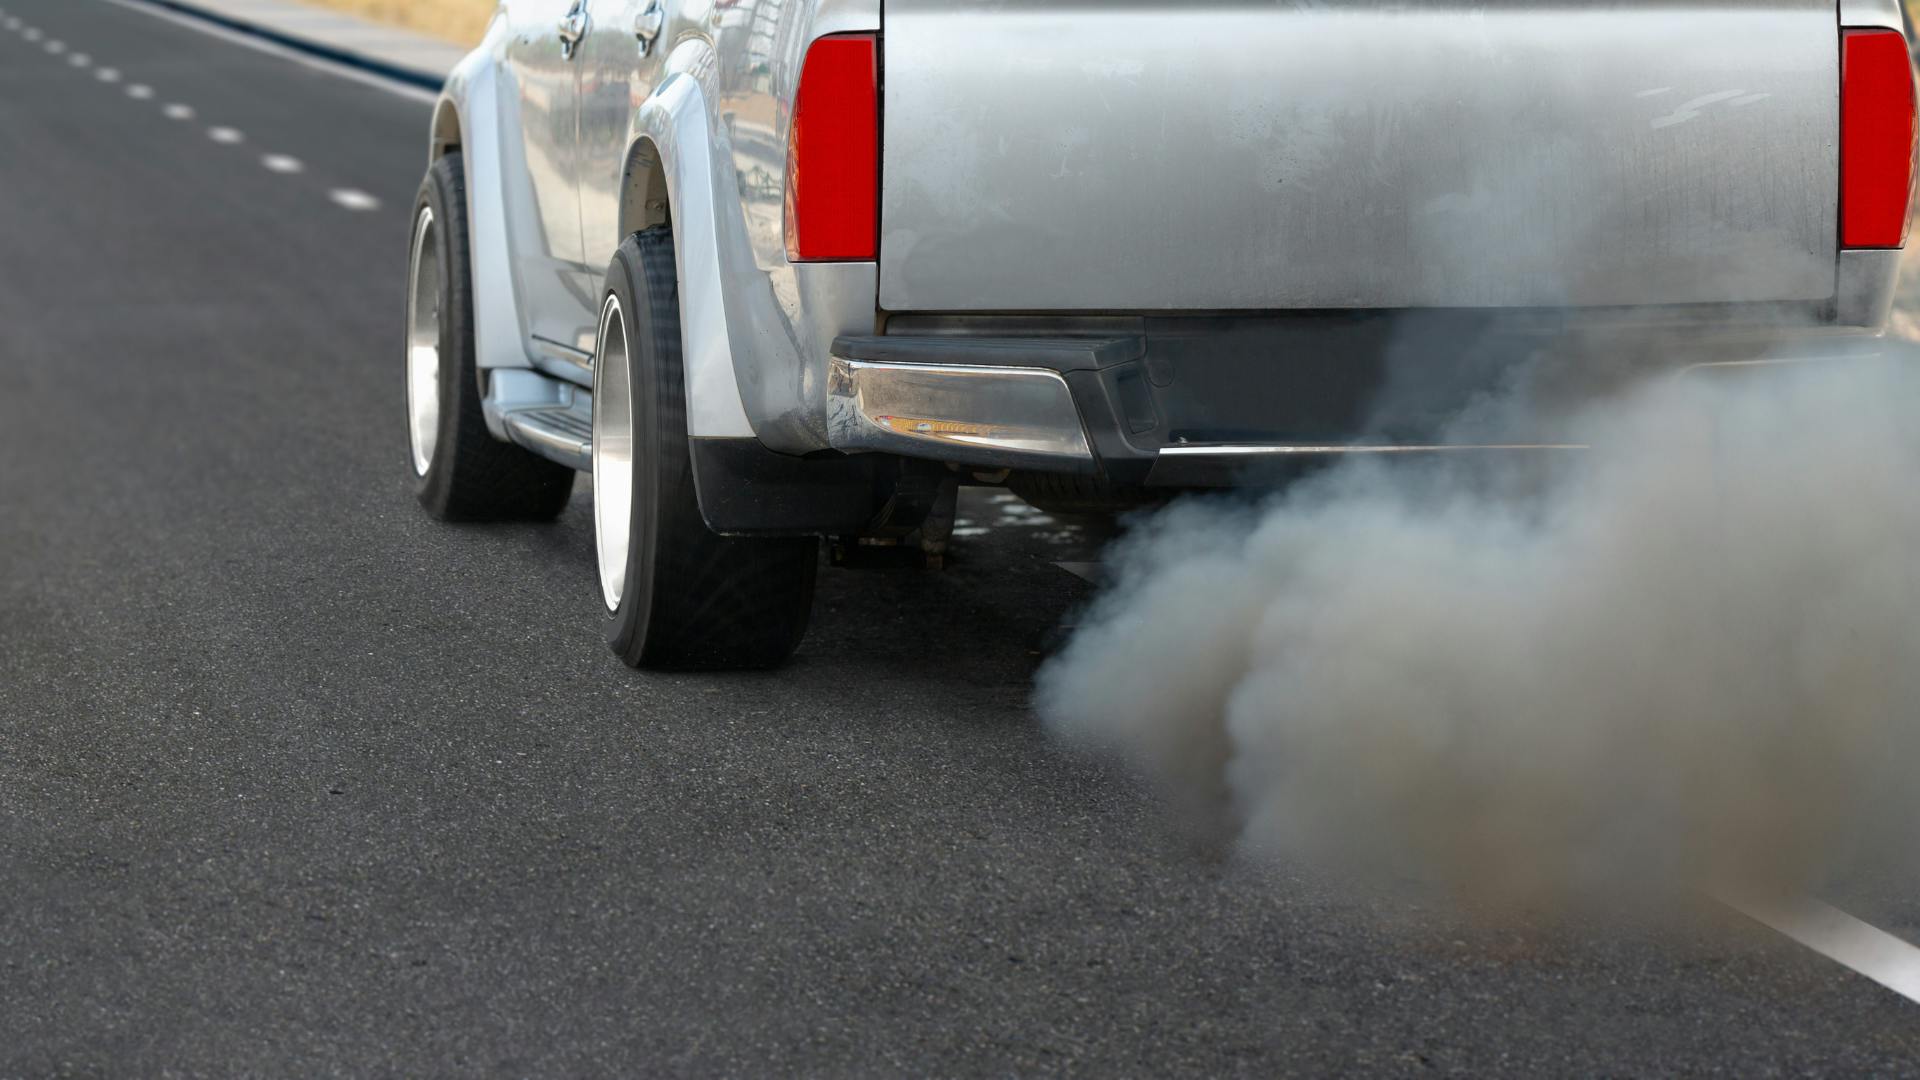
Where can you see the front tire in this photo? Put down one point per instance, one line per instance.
(679, 596)
(461, 472)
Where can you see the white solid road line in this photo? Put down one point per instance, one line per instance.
(405, 90)
(1843, 939)
(353, 199)
(283, 164)
(225, 136)
(179, 112)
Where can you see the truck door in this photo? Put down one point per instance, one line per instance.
(620, 65)
(550, 272)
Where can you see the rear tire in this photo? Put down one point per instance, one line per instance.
(461, 472)
(680, 596)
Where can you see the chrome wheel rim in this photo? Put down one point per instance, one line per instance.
(612, 454)
(423, 343)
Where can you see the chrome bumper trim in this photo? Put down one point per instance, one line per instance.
(1264, 449)
(996, 417)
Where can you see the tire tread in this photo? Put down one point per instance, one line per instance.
(716, 602)
(474, 477)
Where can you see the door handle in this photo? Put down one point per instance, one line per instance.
(648, 24)
(573, 30)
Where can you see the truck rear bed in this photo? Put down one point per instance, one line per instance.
(1061, 155)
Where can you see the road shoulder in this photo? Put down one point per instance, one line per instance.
(402, 54)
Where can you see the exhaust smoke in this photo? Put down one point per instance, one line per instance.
(1688, 657)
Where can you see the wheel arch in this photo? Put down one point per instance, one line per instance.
(467, 121)
(671, 172)
(446, 136)
(757, 327)
(645, 197)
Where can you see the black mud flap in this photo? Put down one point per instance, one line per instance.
(746, 489)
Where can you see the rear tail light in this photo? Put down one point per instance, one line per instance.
(833, 153)
(1876, 138)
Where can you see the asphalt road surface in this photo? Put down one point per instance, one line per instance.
(294, 781)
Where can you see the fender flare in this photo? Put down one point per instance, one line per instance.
(674, 120)
(472, 95)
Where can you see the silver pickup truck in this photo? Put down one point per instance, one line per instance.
(777, 270)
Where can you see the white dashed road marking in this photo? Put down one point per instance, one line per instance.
(354, 200)
(284, 164)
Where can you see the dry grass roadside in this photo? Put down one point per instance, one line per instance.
(459, 21)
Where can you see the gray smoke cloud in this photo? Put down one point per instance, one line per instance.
(1688, 656)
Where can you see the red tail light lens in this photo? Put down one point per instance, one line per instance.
(833, 154)
(1876, 138)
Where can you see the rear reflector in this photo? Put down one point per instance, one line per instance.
(833, 154)
(1876, 138)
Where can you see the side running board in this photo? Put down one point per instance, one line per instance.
(562, 435)
(547, 416)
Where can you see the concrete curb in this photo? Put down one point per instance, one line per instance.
(346, 57)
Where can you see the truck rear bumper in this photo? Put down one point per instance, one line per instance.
(1215, 401)
(993, 403)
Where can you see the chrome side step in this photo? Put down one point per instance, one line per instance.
(562, 435)
(548, 416)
